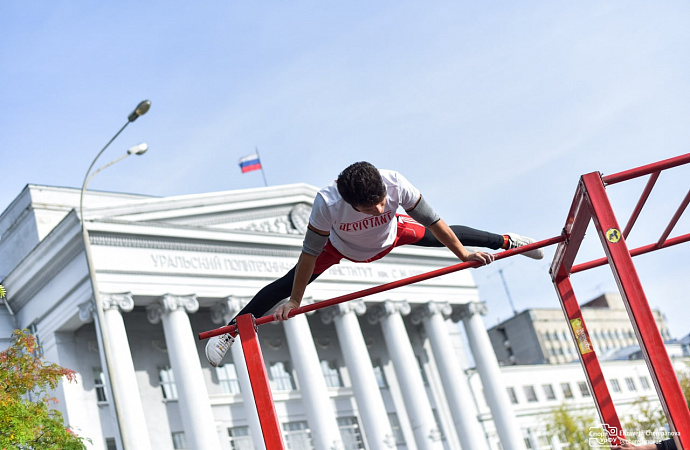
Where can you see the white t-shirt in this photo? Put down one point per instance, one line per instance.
(356, 235)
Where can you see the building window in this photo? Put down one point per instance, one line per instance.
(331, 373)
(297, 436)
(240, 438)
(530, 394)
(380, 374)
(167, 379)
(179, 441)
(548, 391)
(350, 432)
(631, 384)
(584, 389)
(281, 377)
(528, 444)
(99, 384)
(512, 395)
(567, 391)
(644, 382)
(110, 444)
(397, 429)
(615, 386)
(227, 378)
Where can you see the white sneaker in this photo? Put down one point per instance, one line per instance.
(217, 347)
(515, 241)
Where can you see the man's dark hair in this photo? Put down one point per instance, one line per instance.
(360, 184)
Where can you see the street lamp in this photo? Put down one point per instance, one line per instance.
(141, 109)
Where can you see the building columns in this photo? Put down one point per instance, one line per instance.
(490, 374)
(123, 368)
(455, 383)
(379, 435)
(195, 408)
(317, 403)
(424, 428)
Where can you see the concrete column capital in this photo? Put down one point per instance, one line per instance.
(358, 307)
(430, 309)
(87, 311)
(227, 308)
(169, 303)
(121, 301)
(386, 309)
(467, 310)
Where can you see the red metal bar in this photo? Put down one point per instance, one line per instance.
(588, 359)
(574, 231)
(646, 170)
(259, 379)
(674, 219)
(388, 286)
(640, 203)
(634, 252)
(642, 318)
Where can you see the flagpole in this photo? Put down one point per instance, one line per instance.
(262, 166)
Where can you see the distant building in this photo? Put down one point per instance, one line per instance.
(542, 336)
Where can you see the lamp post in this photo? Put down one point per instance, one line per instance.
(141, 109)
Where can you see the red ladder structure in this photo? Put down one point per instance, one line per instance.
(590, 203)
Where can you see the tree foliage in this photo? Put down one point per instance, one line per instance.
(572, 428)
(27, 420)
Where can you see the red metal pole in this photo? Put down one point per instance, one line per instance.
(641, 316)
(574, 230)
(387, 286)
(590, 362)
(259, 379)
(646, 170)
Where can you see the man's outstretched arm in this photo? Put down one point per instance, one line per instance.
(314, 242)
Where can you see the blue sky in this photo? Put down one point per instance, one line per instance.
(493, 110)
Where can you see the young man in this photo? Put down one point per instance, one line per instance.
(355, 218)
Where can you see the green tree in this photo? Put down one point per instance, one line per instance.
(572, 428)
(647, 419)
(27, 421)
(684, 380)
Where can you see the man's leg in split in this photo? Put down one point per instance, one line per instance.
(478, 238)
(268, 297)
(271, 294)
(468, 236)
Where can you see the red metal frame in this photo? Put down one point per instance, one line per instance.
(265, 407)
(592, 203)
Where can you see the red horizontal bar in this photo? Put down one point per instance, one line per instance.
(388, 286)
(634, 252)
(646, 170)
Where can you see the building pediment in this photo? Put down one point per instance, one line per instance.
(281, 209)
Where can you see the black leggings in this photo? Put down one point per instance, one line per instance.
(273, 293)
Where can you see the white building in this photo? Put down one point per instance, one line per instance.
(542, 336)
(385, 372)
(351, 376)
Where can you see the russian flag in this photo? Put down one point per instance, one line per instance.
(249, 163)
